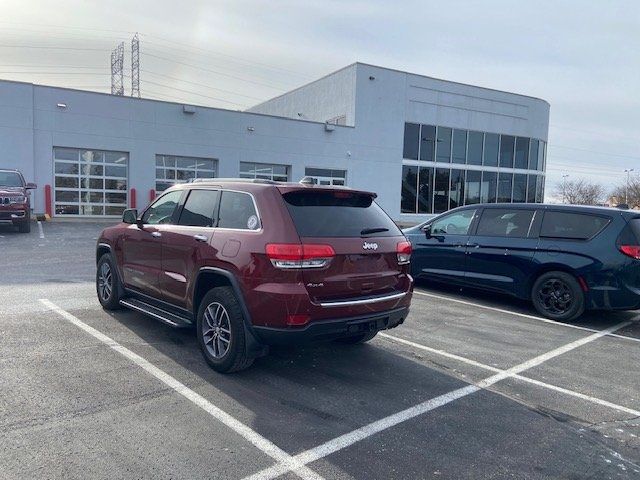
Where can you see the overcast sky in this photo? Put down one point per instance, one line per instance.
(583, 57)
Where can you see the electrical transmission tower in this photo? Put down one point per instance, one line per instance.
(135, 66)
(117, 74)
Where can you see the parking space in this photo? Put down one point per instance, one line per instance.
(471, 386)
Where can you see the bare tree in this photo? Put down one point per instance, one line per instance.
(629, 194)
(580, 192)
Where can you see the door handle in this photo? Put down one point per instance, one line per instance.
(156, 234)
(201, 238)
(473, 245)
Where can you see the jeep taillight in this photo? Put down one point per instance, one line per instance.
(296, 255)
(403, 250)
(632, 251)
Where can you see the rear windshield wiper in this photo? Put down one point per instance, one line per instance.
(367, 231)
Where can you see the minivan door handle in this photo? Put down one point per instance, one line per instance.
(201, 238)
(473, 245)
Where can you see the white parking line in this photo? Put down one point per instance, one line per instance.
(549, 386)
(362, 433)
(518, 314)
(241, 429)
(40, 229)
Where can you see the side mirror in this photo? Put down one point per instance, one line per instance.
(427, 231)
(130, 215)
(31, 186)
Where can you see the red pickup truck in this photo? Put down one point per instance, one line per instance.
(15, 200)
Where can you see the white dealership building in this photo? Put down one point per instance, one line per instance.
(424, 145)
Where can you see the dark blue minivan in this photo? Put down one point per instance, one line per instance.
(563, 258)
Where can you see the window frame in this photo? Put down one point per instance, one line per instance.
(176, 213)
(255, 207)
(539, 235)
(185, 198)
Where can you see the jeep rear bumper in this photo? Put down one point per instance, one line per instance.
(325, 330)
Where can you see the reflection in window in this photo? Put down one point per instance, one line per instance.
(531, 188)
(411, 140)
(498, 222)
(533, 155)
(457, 223)
(541, 155)
(474, 156)
(409, 189)
(472, 187)
(505, 184)
(237, 211)
(507, 143)
(441, 191)
(519, 188)
(539, 189)
(443, 145)
(459, 149)
(489, 189)
(456, 194)
(264, 171)
(325, 176)
(522, 152)
(425, 190)
(171, 169)
(491, 145)
(427, 143)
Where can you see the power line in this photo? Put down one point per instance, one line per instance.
(57, 73)
(50, 47)
(594, 151)
(194, 93)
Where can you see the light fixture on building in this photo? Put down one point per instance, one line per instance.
(61, 105)
(251, 129)
(329, 127)
(189, 109)
(371, 77)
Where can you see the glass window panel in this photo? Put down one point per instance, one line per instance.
(205, 164)
(280, 169)
(541, 155)
(533, 154)
(577, 226)
(114, 184)
(499, 222)
(121, 158)
(474, 156)
(519, 188)
(67, 182)
(67, 209)
(170, 174)
(205, 174)
(199, 208)
(505, 185)
(443, 145)
(409, 189)
(67, 196)
(427, 143)
(279, 178)
(425, 190)
(522, 152)
(115, 197)
(68, 168)
(317, 172)
(161, 211)
(459, 149)
(94, 170)
(539, 189)
(98, 197)
(159, 160)
(456, 194)
(411, 140)
(92, 156)
(489, 188)
(94, 183)
(186, 162)
(66, 153)
(113, 171)
(507, 144)
(441, 190)
(160, 173)
(531, 188)
(237, 211)
(113, 210)
(91, 210)
(472, 187)
(491, 146)
(339, 173)
(457, 223)
(162, 186)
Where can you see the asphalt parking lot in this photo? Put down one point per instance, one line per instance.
(471, 386)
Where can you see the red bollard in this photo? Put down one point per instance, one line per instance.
(152, 195)
(47, 201)
(132, 198)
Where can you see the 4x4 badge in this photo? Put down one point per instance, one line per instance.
(370, 246)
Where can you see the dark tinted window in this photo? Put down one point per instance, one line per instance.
(457, 223)
(443, 145)
(409, 189)
(427, 143)
(237, 211)
(571, 225)
(506, 150)
(411, 139)
(441, 191)
(519, 188)
(425, 190)
(634, 224)
(472, 187)
(199, 208)
(533, 154)
(505, 184)
(498, 222)
(474, 156)
(522, 152)
(531, 188)
(337, 214)
(459, 151)
(456, 194)
(489, 190)
(491, 144)
(161, 211)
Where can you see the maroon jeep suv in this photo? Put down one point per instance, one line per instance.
(254, 263)
(15, 200)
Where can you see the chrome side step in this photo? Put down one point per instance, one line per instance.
(155, 312)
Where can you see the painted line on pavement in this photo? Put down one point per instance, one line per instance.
(362, 433)
(241, 429)
(40, 229)
(523, 315)
(566, 391)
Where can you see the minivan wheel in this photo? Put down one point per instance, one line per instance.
(558, 296)
(362, 338)
(220, 330)
(108, 286)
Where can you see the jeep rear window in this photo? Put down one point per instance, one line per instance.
(338, 214)
(575, 226)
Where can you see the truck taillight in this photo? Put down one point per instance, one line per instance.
(632, 251)
(296, 255)
(403, 250)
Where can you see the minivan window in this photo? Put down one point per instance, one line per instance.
(634, 223)
(457, 223)
(237, 211)
(576, 226)
(198, 210)
(161, 211)
(338, 214)
(502, 222)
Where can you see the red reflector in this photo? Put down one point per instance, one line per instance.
(296, 251)
(404, 247)
(632, 251)
(297, 319)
